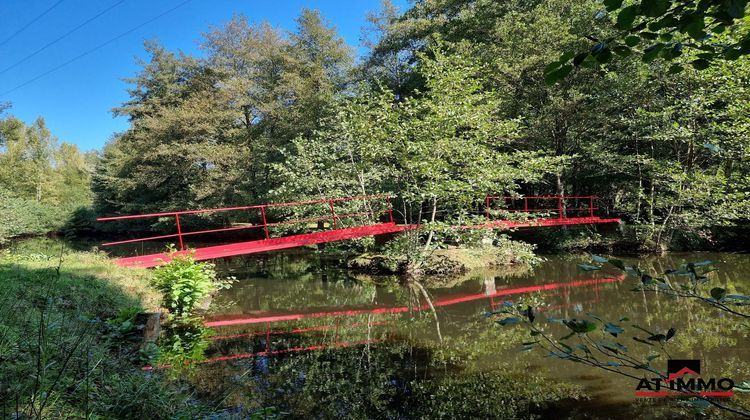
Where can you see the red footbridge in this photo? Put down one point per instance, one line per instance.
(278, 226)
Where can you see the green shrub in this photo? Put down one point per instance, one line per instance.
(184, 282)
(22, 217)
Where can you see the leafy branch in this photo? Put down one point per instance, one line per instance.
(696, 275)
(598, 345)
(664, 28)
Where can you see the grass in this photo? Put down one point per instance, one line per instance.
(68, 344)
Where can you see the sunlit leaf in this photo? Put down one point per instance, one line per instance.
(743, 387)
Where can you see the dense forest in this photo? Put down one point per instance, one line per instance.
(448, 105)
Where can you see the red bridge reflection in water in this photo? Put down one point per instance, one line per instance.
(593, 284)
(401, 309)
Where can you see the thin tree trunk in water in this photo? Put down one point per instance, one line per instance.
(432, 308)
(652, 192)
(640, 182)
(432, 220)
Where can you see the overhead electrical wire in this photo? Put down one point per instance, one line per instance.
(61, 37)
(92, 50)
(24, 27)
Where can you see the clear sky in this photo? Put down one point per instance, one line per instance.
(76, 100)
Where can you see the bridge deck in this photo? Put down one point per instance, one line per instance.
(264, 245)
(294, 241)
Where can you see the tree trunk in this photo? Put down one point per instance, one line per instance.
(432, 220)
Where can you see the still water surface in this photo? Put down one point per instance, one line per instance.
(293, 318)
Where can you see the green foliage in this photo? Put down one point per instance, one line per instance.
(184, 282)
(665, 152)
(67, 340)
(25, 217)
(207, 132)
(712, 30)
(183, 345)
(41, 182)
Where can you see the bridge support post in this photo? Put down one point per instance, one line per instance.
(333, 213)
(265, 223)
(179, 231)
(390, 208)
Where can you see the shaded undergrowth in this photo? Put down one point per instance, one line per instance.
(69, 342)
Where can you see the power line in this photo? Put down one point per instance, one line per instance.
(23, 28)
(65, 35)
(98, 47)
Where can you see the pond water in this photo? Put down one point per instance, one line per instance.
(300, 334)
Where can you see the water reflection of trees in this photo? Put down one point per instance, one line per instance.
(403, 372)
(404, 359)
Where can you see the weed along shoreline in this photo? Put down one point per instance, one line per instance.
(381, 209)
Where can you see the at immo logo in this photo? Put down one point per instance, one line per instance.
(684, 379)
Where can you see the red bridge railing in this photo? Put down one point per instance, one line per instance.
(262, 210)
(543, 204)
(564, 209)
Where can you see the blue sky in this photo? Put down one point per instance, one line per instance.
(76, 100)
